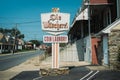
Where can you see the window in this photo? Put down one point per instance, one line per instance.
(107, 17)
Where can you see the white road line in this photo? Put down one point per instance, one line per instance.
(37, 78)
(93, 75)
(86, 75)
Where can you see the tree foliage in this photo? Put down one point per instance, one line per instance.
(12, 32)
(63, 44)
(36, 42)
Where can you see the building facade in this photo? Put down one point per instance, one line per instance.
(91, 24)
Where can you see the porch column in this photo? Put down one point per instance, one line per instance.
(1, 48)
(105, 49)
(82, 31)
(118, 9)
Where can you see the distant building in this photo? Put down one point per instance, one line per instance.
(10, 44)
(6, 43)
(43, 46)
(28, 45)
(20, 44)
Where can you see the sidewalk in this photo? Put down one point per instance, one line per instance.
(5, 54)
(47, 63)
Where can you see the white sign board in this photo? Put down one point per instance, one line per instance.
(55, 39)
(55, 21)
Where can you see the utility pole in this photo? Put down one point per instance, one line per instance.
(34, 45)
(14, 43)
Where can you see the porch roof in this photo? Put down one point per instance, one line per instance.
(6, 44)
(1, 36)
(97, 2)
(114, 25)
(83, 15)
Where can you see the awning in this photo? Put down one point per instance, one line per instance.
(83, 15)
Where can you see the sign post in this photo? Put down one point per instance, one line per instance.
(55, 55)
(55, 23)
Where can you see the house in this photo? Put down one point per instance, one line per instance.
(92, 27)
(2, 43)
(20, 44)
(43, 46)
(111, 43)
(5, 46)
(28, 45)
(7, 43)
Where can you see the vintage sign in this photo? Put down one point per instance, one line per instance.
(55, 21)
(55, 39)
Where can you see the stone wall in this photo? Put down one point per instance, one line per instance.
(114, 43)
(53, 72)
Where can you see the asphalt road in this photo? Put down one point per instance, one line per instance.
(12, 60)
(77, 73)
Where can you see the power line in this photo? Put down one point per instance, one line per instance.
(17, 18)
(22, 22)
(29, 22)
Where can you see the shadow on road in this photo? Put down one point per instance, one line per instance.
(26, 75)
(76, 73)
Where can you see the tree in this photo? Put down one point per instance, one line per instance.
(21, 36)
(1, 30)
(35, 42)
(16, 33)
(63, 44)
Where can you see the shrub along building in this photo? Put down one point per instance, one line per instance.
(96, 29)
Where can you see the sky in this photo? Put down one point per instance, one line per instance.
(26, 14)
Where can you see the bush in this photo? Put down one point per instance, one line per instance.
(48, 52)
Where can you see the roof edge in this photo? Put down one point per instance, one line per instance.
(109, 27)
